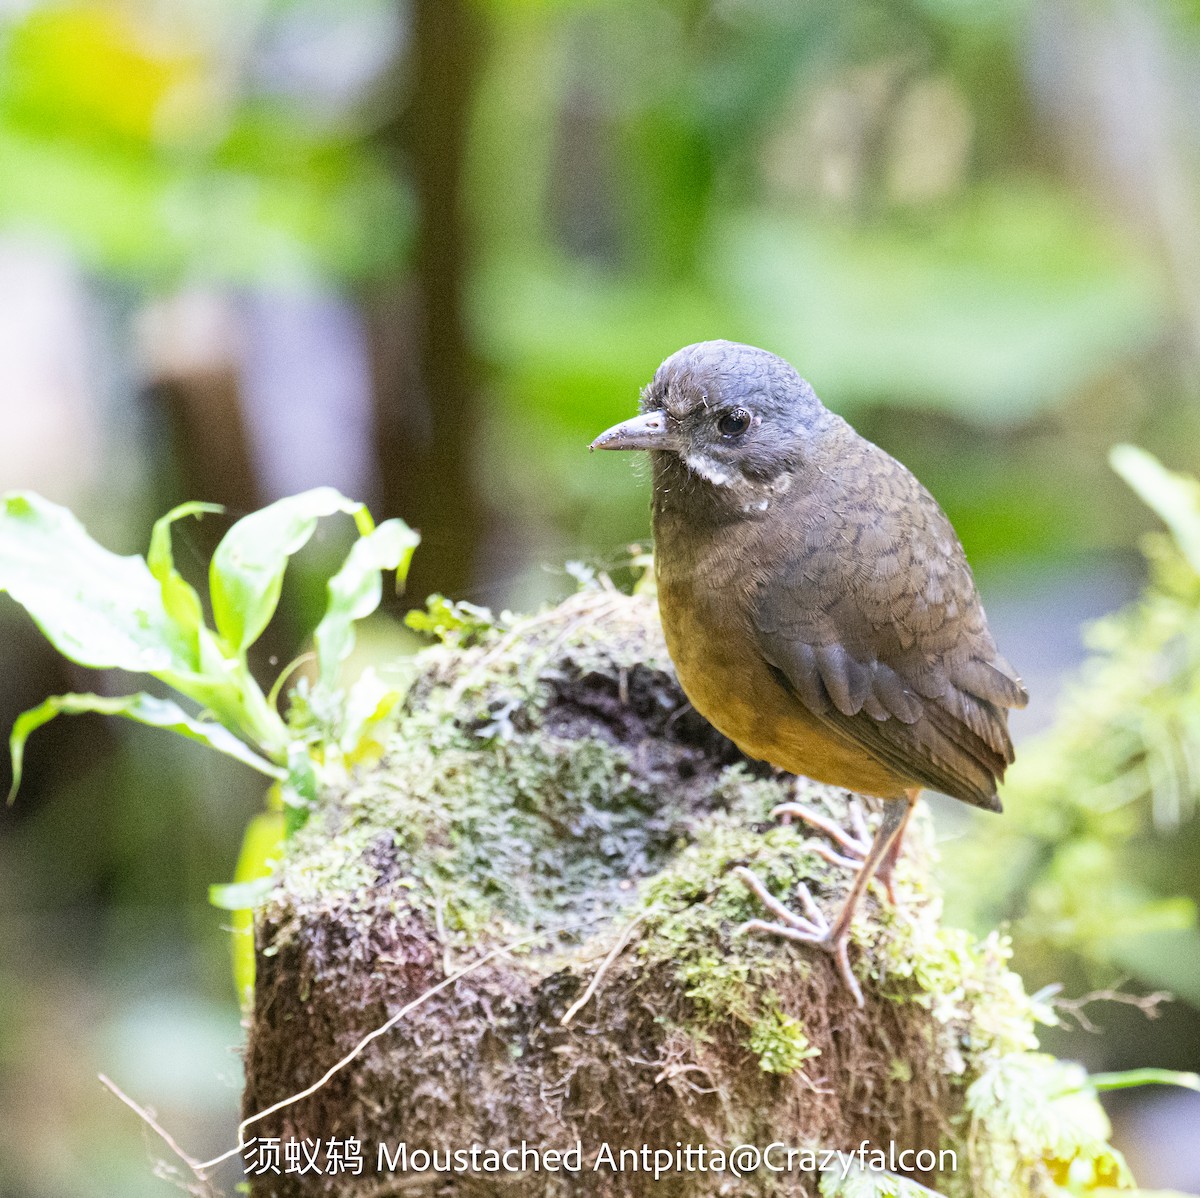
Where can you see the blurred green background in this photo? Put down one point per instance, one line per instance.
(424, 251)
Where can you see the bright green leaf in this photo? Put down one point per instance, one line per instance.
(299, 790)
(251, 883)
(179, 597)
(112, 612)
(1144, 1077)
(846, 1179)
(369, 703)
(1125, 1192)
(247, 568)
(145, 709)
(95, 607)
(455, 622)
(356, 589)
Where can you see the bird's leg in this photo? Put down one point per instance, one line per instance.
(888, 864)
(813, 927)
(855, 847)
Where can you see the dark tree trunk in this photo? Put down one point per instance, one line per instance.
(427, 392)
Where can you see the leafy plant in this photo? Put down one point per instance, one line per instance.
(1121, 763)
(140, 615)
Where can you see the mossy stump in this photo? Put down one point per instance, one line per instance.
(547, 784)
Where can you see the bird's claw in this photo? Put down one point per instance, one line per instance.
(855, 846)
(811, 928)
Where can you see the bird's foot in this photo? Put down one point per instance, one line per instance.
(854, 845)
(810, 928)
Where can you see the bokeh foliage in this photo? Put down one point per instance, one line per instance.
(141, 138)
(1082, 863)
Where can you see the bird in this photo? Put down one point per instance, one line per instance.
(818, 608)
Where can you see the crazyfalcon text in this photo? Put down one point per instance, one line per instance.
(740, 1160)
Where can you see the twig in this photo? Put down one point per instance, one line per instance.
(1148, 1004)
(201, 1168)
(357, 1050)
(614, 952)
(196, 1167)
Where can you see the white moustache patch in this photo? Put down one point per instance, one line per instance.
(707, 469)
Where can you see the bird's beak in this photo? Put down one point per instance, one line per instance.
(650, 430)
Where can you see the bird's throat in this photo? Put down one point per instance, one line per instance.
(708, 492)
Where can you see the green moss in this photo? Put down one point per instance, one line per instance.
(507, 837)
(779, 1042)
(459, 624)
(699, 907)
(498, 820)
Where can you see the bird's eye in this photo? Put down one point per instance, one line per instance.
(734, 423)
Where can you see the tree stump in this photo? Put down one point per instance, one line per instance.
(548, 788)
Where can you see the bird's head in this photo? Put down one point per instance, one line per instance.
(725, 414)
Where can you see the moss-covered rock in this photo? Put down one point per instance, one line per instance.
(548, 788)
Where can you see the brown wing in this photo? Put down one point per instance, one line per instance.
(873, 621)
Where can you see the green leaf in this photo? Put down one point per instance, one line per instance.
(1123, 1192)
(247, 568)
(179, 597)
(251, 884)
(145, 709)
(461, 622)
(95, 607)
(1144, 1077)
(846, 1179)
(299, 789)
(1031, 1107)
(300, 781)
(112, 612)
(1174, 497)
(356, 589)
(240, 896)
(368, 705)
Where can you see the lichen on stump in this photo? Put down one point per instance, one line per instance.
(547, 776)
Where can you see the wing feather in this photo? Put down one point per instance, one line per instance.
(891, 651)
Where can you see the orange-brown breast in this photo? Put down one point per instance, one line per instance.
(726, 679)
